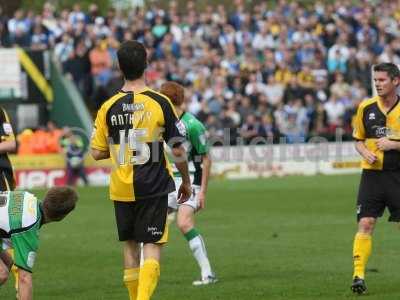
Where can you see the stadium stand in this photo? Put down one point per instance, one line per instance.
(289, 71)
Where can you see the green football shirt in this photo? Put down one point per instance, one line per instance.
(195, 145)
(20, 221)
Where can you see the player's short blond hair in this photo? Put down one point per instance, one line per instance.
(174, 91)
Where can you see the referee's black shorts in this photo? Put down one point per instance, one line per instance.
(143, 220)
(7, 181)
(378, 190)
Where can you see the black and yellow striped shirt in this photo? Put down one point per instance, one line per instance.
(132, 127)
(372, 123)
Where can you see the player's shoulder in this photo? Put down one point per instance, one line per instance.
(110, 101)
(23, 194)
(27, 196)
(157, 96)
(163, 101)
(192, 121)
(19, 196)
(369, 101)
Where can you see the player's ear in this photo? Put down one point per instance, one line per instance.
(396, 81)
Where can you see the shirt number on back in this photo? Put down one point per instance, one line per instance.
(139, 152)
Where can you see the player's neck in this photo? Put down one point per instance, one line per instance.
(134, 85)
(389, 100)
(179, 111)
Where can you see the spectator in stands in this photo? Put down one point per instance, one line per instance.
(223, 56)
(339, 87)
(39, 38)
(267, 129)
(100, 61)
(78, 68)
(335, 111)
(64, 48)
(274, 91)
(249, 129)
(18, 29)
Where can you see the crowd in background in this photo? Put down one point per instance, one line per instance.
(285, 70)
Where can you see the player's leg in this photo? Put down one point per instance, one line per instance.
(25, 285)
(149, 271)
(393, 191)
(14, 270)
(131, 267)
(172, 207)
(124, 215)
(186, 224)
(5, 265)
(4, 271)
(370, 206)
(151, 229)
(362, 246)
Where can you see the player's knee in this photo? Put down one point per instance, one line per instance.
(185, 218)
(25, 278)
(366, 225)
(3, 275)
(184, 224)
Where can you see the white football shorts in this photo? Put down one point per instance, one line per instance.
(192, 201)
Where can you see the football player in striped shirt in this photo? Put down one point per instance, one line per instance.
(197, 150)
(21, 218)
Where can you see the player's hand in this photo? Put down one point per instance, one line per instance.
(202, 200)
(184, 193)
(385, 144)
(369, 156)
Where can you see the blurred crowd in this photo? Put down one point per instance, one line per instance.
(43, 140)
(285, 70)
(48, 139)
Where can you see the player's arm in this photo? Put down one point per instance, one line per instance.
(8, 146)
(174, 135)
(99, 155)
(368, 155)
(99, 146)
(24, 285)
(359, 135)
(198, 139)
(385, 144)
(181, 163)
(7, 143)
(180, 159)
(204, 179)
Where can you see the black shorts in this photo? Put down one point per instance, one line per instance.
(142, 220)
(7, 181)
(378, 190)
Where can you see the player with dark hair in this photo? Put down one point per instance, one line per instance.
(131, 128)
(377, 131)
(21, 218)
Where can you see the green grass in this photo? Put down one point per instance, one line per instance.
(279, 238)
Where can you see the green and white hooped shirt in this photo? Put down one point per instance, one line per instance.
(196, 145)
(20, 221)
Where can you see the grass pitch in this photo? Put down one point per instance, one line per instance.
(280, 238)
